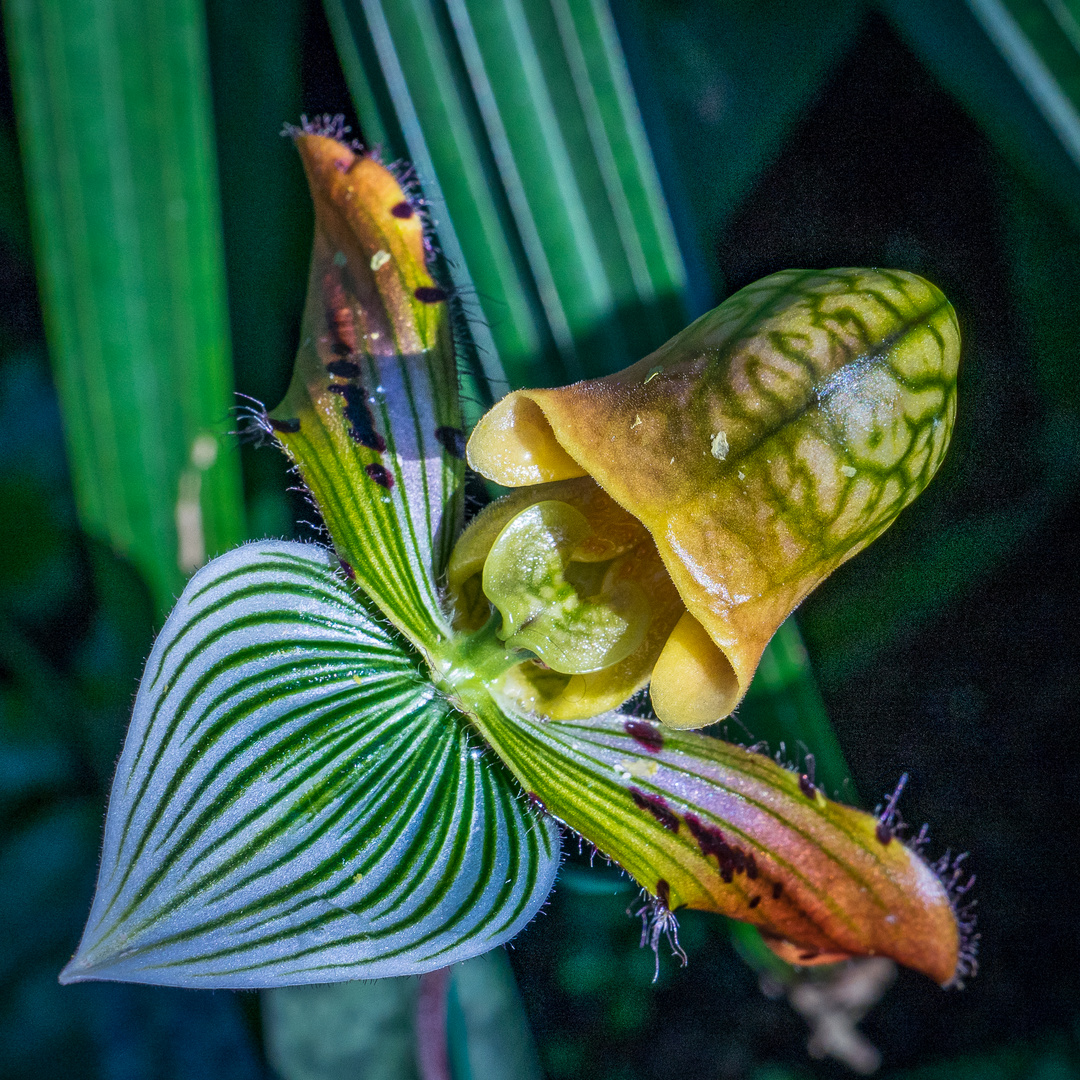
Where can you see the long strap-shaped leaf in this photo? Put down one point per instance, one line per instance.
(295, 804)
(522, 121)
(115, 126)
(372, 415)
(704, 824)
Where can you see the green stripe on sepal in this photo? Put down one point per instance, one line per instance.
(704, 824)
(295, 802)
(372, 416)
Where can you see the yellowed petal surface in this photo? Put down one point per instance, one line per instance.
(704, 824)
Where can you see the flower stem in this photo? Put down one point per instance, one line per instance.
(432, 1050)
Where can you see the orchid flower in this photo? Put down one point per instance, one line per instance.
(355, 761)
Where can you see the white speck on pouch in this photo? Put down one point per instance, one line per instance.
(379, 259)
(719, 446)
(672, 461)
(637, 421)
(653, 372)
(375, 335)
(848, 470)
(742, 475)
(356, 679)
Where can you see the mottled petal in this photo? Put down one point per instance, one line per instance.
(762, 446)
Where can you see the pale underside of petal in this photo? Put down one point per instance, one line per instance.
(294, 803)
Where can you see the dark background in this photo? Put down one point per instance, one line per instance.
(948, 650)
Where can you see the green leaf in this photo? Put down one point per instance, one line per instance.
(488, 1032)
(342, 1031)
(522, 123)
(368, 1029)
(1015, 66)
(372, 416)
(295, 803)
(704, 824)
(114, 121)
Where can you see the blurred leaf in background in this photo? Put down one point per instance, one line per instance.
(76, 620)
(255, 67)
(113, 105)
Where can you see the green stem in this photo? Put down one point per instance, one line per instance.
(470, 663)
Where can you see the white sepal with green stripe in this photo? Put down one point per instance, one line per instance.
(296, 803)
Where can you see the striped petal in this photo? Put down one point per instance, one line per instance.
(372, 416)
(704, 824)
(295, 803)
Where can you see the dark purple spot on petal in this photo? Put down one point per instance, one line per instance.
(884, 833)
(730, 858)
(806, 786)
(344, 369)
(754, 901)
(777, 890)
(380, 475)
(656, 806)
(709, 838)
(357, 413)
(429, 294)
(287, 427)
(339, 315)
(349, 572)
(453, 441)
(402, 210)
(663, 893)
(649, 736)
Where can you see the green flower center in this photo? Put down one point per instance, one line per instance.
(561, 590)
